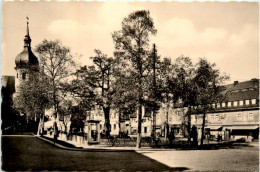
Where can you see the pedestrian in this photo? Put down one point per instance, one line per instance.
(194, 136)
(207, 136)
(55, 127)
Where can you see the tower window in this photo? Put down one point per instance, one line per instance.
(24, 75)
(17, 75)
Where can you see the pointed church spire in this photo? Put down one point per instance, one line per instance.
(27, 39)
(27, 26)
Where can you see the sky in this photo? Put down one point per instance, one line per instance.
(226, 33)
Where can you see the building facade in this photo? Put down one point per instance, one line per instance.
(238, 116)
(235, 118)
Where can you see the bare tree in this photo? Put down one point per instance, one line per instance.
(58, 67)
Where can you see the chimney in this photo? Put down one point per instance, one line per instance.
(235, 82)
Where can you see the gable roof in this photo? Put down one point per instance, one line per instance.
(243, 90)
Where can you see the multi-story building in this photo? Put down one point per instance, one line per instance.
(237, 116)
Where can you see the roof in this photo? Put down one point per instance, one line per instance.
(246, 90)
(243, 90)
(26, 57)
(244, 95)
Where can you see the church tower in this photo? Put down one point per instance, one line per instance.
(27, 64)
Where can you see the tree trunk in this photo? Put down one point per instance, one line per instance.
(43, 115)
(107, 120)
(167, 125)
(138, 142)
(39, 127)
(189, 125)
(119, 126)
(202, 128)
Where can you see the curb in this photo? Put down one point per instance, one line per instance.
(85, 149)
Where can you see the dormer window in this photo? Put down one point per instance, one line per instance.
(253, 101)
(247, 102)
(24, 76)
(241, 103)
(223, 104)
(235, 103)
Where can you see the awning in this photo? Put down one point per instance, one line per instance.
(241, 127)
(215, 127)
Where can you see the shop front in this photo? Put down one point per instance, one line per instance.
(245, 132)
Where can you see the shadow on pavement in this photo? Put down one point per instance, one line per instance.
(60, 142)
(33, 154)
(179, 169)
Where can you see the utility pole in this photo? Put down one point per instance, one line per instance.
(154, 93)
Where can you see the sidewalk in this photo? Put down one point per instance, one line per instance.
(72, 145)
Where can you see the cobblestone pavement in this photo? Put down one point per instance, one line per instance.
(240, 158)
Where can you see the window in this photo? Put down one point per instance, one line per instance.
(239, 116)
(100, 126)
(229, 104)
(216, 117)
(247, 102)
(235, 103)
(114, 115)
(218, 105)
(250, 116)
(223, 104)
(114, 126)
(24, 76)
(213, 105)
(253, 101)
(241, 103)
(17, 75)
(178, 113)
(145, 129)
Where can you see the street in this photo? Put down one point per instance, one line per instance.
(31, 153)
(239, 158)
